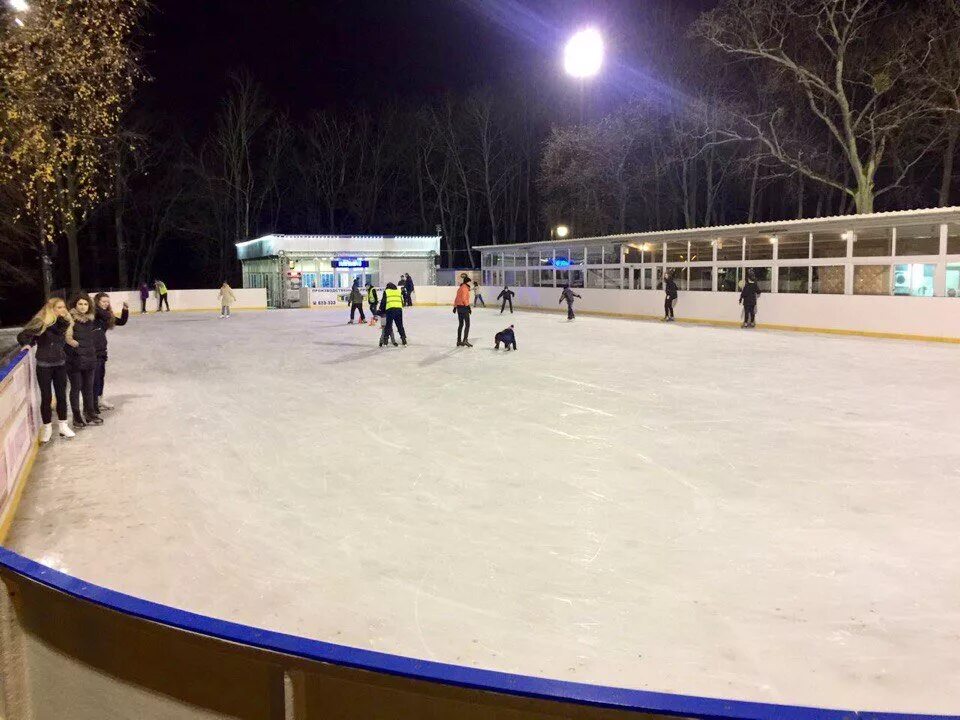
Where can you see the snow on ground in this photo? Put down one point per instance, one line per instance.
(745, 514)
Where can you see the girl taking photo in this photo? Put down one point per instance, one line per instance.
(51, 330)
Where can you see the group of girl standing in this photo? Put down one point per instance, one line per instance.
(71, 344)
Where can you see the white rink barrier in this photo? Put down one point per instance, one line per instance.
(19, 429)
(247, 299)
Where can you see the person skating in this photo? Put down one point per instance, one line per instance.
(461, 307)
(82, 362)
(391, 307)
(402, 287)
(670, 287)
(568, 295)
(50, 330)
(478, 295)
(506, 295)
(748, 298)
(408, 284)
(507, 337)
(161, 287)
(144, 296)
(372, 303)
(356, 302)
(227, 298)
(105, 320)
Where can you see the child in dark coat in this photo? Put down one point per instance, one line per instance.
(507, 338)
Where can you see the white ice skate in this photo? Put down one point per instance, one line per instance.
(46, 432)
(105, 404)
(65, 431)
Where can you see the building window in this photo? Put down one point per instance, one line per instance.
(953, 239)
(633, 254)
(677, 251)
(914, 279)
(793, 247)
(653, 252)
(871, 280)
(576, 278)
(563, 277)
(953, 280)
(918, 240)
(309, 280)
(594, 278)
(701, 251)
(328, 280)
(759, 248)
(595, 255)
(485, 260)
(729, 279)
(827, 279)
(611, 279)
(730, 249)
(611, 254)
(701, 279)
(762, 275)
(829, 245)
(873, 243)
(794, 280)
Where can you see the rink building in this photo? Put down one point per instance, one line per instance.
(294, 267)
(904, 253)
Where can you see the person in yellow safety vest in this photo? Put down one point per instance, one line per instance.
(391, 305)
(372, 298)
(161, 288)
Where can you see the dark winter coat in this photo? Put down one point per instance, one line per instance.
(507, 337)
(85, 332)
(568, 295)
(50, 343)
(750, 293)
(671, 288)
(408, 283)
(356, 297)
(506, 294)
(104, 320)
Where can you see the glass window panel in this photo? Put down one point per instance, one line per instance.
(611, 254)
(521, 278)
(829, 245)
(328, 280)
(677, 251)
(827, 280)
(594, 278)
(953, 239)
(632, 253)
(485, 259)
(495, 259)
(510, 277)
(793, 280)
(762, 275)
(730, 248)
(873, 243)
(953, 280)
(918, 240)
(701, 251)
(760, 248)
(871, 280)
(611, 279)
(576, 278)
(728, 279)
(701, 279)
(563, 277)
(793, 247)
(653, 252)
(913, 279)
(595, 255)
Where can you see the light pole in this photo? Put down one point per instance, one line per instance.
(583, 59)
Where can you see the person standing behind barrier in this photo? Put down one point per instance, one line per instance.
(408, 284)
(356, 302)
(161, 287)
(144, 296)
(82, 362)
(391, 306)
(227, 298)
(105, 320)
(507, 296)
(748, 298)
(478, 295)
(50, 330)
(568, 295)
(670, 287)
(461, 307)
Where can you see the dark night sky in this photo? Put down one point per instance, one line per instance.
(335, 53)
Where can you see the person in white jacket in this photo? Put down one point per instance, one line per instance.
(227, 298)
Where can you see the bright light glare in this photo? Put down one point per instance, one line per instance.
(583, 55)
(19, 5)
(19, 22)
(562, 231)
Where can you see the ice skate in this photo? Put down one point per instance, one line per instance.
(466, 344)
(104, 404)
(78, 421)
(46, 432)
(65, 431)
(94, 419)
(395, 343)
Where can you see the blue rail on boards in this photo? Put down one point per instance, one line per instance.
(8, 368)
(472, 678)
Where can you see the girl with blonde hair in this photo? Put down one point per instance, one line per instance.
(50, 329)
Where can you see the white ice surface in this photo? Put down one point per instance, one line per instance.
(750, 515)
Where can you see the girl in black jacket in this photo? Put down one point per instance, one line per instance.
(105, 320)
(50, 329)
(82, 362)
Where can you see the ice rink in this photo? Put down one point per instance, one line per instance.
(740, 514)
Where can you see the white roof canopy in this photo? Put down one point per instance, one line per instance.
(332, 245)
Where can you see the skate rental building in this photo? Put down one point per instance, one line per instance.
(301, 270)
(882, 273)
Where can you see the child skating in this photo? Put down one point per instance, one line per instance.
(478, 295)
(507, 337)
(506, 295)
(748, 298)
(568, 295)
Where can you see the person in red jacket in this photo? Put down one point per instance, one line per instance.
(461, 306)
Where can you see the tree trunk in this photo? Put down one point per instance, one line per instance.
(46, 269)
(121, 247)
(73, 252)
(946, 178)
